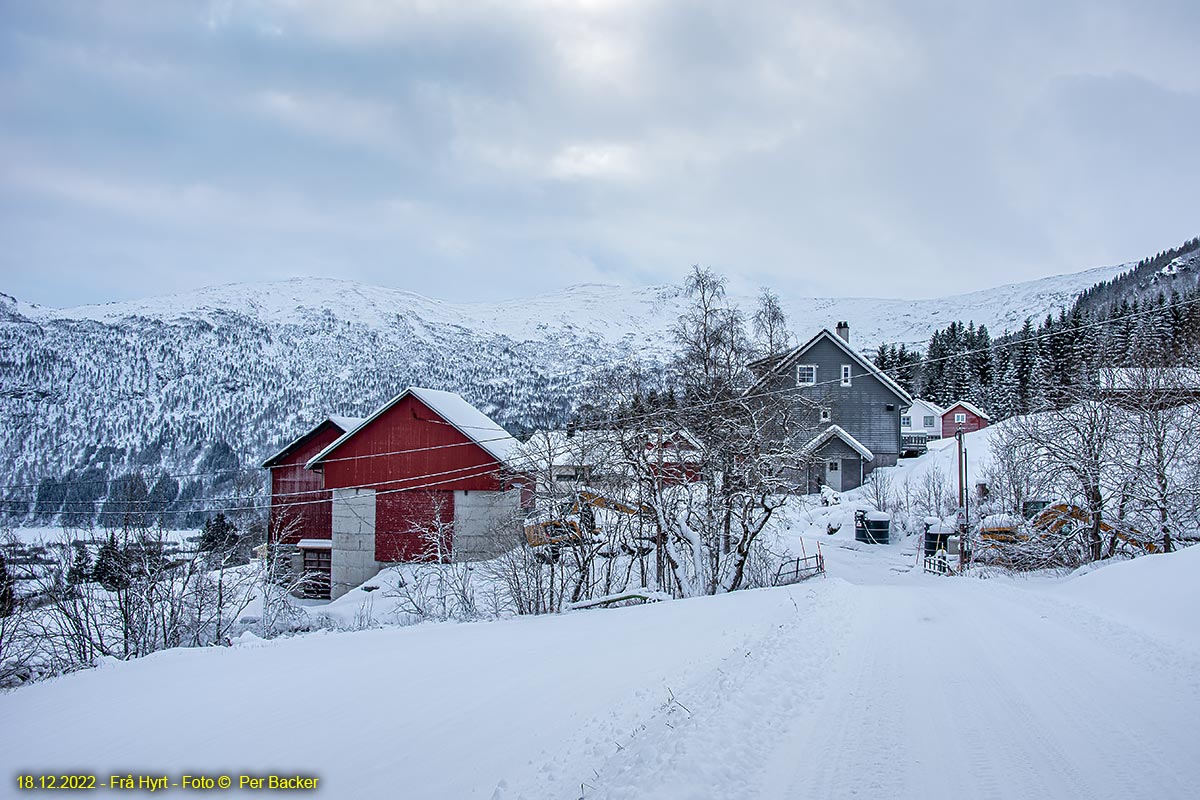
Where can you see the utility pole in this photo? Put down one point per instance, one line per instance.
(963, 544)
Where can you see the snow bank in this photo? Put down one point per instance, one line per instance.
(1158, 593)
(426, 711)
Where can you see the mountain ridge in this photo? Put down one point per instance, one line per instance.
(243, 297)
(214, 379)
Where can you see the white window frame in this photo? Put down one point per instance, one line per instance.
(929, 423)
(846, 374)
(826, 415)
(813, 367)
(959, 417)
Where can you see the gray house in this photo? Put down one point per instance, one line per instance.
(842, 410)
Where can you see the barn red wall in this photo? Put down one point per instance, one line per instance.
(949, 426)
(411, 425)
(293, 488)
(445, 461)
(410, 526)
(676, 474)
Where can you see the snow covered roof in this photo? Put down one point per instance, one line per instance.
(315, 544)
(590, 447)
(974, 409)
(341, 423)
(794, 356)
(840, 432)
(346, 423)
(1000, 522)
(581, 448)
(929, 404)
(469, 420)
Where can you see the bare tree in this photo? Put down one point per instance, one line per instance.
(1073, 450)
(1013, 475)
(770, 325)
(878, 489)
(1160, 434)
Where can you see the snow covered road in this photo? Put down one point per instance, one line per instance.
(888, 684)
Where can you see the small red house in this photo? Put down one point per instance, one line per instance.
(963, 415)
(425, 477)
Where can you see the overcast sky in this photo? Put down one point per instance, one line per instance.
(471, 150)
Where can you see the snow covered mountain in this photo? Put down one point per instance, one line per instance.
(209, 381)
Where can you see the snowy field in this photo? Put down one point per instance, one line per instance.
(878, 682)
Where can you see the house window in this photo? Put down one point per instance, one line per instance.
(845, 374)
(960, 418)
(806, 374)
(906, 422)
(826, 415)
(928, 422)
(833, 466)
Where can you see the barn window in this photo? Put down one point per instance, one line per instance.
(806, 374)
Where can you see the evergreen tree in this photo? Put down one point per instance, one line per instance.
(8, 599)
(218, 535)
(80, 570)
(112, 565)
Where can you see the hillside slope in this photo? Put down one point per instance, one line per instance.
(211, 380)
(1176, 270)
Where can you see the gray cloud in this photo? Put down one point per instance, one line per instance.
(479, 150)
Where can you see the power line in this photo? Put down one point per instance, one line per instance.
(609, 423)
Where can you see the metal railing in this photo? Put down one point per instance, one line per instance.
(800, 569)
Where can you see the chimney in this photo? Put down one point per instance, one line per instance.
(843, 330)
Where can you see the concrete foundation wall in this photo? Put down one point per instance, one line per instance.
(353, 556)
(476, 517)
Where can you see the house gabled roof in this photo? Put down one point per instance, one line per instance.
(794, 356)
(592, 447)
(343, 424)
(839, 432)
(932, 406)
(466, 418)
(976, 410)
(583, 448)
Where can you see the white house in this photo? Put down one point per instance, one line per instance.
(924, 416)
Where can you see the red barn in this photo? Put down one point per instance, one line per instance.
(425, 477)
(293, 485)
(963, 415)
(301, 507)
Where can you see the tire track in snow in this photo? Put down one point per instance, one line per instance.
(1004, 705)
(738, 707)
